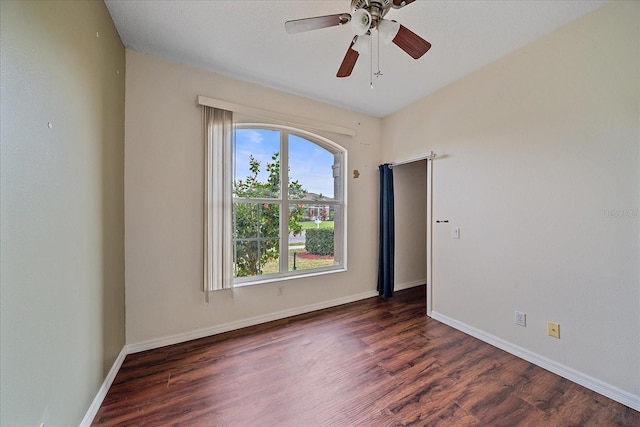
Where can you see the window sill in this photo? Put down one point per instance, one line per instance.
(296, 276)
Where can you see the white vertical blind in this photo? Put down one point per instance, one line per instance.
(218, 254)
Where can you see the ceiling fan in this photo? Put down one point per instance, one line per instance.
(366, 15)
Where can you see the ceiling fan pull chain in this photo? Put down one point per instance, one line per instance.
(371, 63)
(378, 73)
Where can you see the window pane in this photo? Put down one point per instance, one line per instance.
(256, 163)
(246, 220)
(311, 236)
(256, 238)
(311, 172)
(254, 257)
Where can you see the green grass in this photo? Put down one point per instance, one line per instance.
(301, 264)
(311, 224)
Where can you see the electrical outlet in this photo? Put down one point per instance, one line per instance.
(520, 319)
(553, 329)
(280, 291)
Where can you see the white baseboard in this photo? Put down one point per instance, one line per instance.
(104, 388)
(407, 285)
(605, 389)
(232, 326)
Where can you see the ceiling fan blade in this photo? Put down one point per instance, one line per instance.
(307, 24)
(348, 62)
(397, 4)
(411, 43)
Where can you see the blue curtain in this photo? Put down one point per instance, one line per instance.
(386, 244)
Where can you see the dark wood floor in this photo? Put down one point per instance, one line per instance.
(369, 363)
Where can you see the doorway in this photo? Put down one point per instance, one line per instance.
(412, 183)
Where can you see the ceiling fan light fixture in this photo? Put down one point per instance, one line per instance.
(388, 30)
(362, 44)
(360, 22)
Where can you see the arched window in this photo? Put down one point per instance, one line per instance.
(288, 203)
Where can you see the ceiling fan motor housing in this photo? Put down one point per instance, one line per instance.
(376, 8)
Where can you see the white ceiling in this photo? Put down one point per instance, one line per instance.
(246, 40)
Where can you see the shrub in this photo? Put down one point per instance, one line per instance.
(319, 241)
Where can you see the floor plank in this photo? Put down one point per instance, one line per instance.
(370, 363)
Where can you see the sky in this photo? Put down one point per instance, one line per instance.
(309, 163)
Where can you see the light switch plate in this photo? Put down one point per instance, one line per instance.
(455, 233)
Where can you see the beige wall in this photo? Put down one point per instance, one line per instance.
(62, 213)
(163, 181)
(540, 168)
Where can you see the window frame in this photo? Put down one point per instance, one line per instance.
(339, 201)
